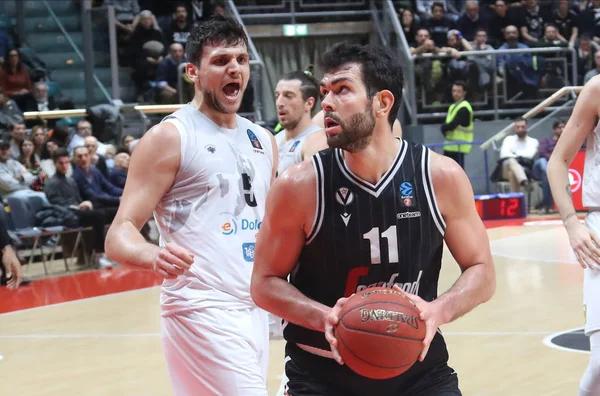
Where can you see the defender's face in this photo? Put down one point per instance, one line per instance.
(348, 115)
(223, 76)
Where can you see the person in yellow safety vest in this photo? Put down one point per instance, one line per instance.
(459, 125)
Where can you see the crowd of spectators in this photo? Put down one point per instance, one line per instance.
(454, 26)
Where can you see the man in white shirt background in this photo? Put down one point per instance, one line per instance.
(517, 154)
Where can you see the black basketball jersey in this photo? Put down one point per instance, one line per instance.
(368, 235)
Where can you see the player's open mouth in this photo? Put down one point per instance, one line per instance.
(332, 127)
(232, 90)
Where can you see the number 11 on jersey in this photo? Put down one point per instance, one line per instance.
(392, 241)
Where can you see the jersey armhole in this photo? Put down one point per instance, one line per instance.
(430, 191)
(182, 138)
(320, 205)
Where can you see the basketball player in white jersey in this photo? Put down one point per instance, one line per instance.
(318, 141)
(296, 95)
(585, 239)
(204, 171)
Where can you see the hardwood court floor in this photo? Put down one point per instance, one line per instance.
(109, 344)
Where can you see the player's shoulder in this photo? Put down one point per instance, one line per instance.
(163, 133)
(444, 171)
(296, 178)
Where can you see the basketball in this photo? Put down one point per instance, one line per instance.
(380, 333)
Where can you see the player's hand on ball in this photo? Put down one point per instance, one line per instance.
(430, 314)
(331, 321)
(585, 244)
(172, 261)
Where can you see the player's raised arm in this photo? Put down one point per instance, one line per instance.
(152, 170)
(290, 210)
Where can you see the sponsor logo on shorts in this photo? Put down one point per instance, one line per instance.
(248, 251)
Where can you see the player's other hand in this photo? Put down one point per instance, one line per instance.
(172, 261)
(431, 314)
(585, 244)
(331, 322)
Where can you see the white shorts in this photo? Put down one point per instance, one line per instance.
(591, 283)
(217, 352)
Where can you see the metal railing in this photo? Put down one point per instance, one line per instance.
(291, 10)
(546, 103)
(75, 49)
(494, 83)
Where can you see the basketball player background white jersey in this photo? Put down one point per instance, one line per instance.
(290, 152)
(591, 200)
(212, 210)
(215, 339)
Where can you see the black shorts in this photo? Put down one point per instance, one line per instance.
(311, 375)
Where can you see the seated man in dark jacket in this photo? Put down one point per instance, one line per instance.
(92, 185)
(118, 174)
(62, 190)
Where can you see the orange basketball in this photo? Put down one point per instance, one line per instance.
(380, 334)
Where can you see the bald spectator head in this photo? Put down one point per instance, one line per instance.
(92, 144)
(122, 161)
(176, 52)
(472, 9)
(40, 91)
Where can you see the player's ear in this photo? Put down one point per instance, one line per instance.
(384, 100)
(310, 102)
(192, 71)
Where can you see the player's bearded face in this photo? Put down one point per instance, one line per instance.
(356, 131)
(224, 76)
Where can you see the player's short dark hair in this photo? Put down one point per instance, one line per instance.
(59, 153)
(217, 30)
(308, 84)
(381, 69)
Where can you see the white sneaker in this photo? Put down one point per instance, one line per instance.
(104, 262)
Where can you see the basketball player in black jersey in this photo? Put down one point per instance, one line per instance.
(372, 210)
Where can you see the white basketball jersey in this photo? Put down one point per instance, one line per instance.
(214, 209)
(591, 171)
(290, 151)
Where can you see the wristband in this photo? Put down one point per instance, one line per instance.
(569, 216)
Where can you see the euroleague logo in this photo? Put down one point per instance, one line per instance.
(574, 180)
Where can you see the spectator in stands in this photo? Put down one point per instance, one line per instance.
(5, 45)
(147, 50)
(29, 161)
(485, 63)
(409, 26)
(125, 141)
(567, 22)
(39, 136)
(429, 72)
(60, 135)
(118, 174)
(15, 78)
(589, 21)
(545, 150)
(532, 20)
(109, 155)
(83, 129)
(167, 75)
(180, 27)
(594, 72)
(499, 21)
(438, 25)
(62, 190)
(15, 180)
(96, 159)
(520, 69)
(92, 185)
(458, 125)
(517, 154)
(461, 68)
(425, 9)
(17, 134)
(471, 20)
(47, 162)
(38, 100)
(10, 113)
(126, 15)
(586, 54)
